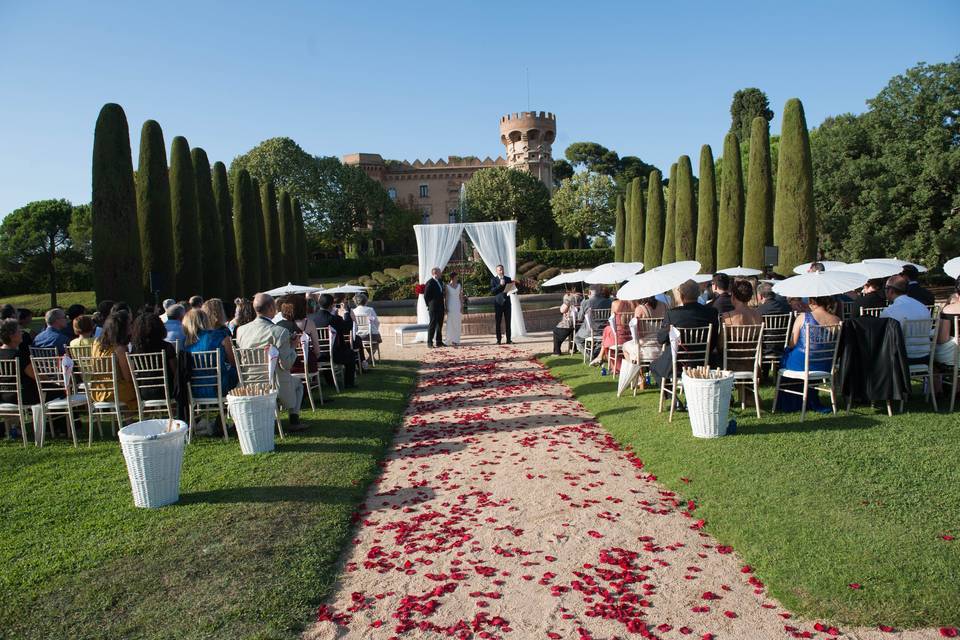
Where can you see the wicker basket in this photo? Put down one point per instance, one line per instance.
(154, 457)
(708, 404)
(254, 417)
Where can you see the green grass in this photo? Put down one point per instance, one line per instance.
(40, 302)
(248, 552)
(814, 506)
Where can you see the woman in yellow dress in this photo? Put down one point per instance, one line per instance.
(115, 340)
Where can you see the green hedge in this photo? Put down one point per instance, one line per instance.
(566, 258)
(328, 267)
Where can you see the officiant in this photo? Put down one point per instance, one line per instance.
(500, 286)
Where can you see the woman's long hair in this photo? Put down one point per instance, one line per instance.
(147, 334)
(116, 331)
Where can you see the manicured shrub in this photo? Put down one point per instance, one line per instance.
(211, 238)
(153, 211)
(653, 234)
(271, 230)
(707, 213)
(302, 259)
(187, 269)
(288, 238)
(758, 220)
(620, 227)
(635, 222)
(685, 212)
(670, 222)
(266, 277)
(247, 233)
(794, 222)
(546, 274)
(730, 219)
(221, 194)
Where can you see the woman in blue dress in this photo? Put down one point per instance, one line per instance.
(199, 337)
(821, 314)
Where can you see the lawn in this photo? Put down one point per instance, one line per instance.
(40, 302)
(857, 498)
(249, 551)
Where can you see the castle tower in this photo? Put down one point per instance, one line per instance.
(528, 137)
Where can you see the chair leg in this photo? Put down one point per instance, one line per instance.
(673, 397)
(889, 408)
(933, 396)
(333, 374)
(953, 389)
(833, 397)
(190, 424)
(756, 393)
(279, 425)
(319, 387)
(803, 406)
(663, 388)
(223, 421)
(776, 393)
(306, 382)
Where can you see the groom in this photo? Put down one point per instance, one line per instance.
(433, 296)
(501, 301)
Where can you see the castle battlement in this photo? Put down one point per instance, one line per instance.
(522, 115)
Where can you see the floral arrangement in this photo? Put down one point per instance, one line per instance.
(419, 289)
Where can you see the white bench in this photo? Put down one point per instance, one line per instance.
(404, 329)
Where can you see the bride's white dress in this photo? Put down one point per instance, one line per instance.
(454, 314)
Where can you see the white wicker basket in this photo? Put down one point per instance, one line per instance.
(708, 404)
(254, 417)
(154, 457)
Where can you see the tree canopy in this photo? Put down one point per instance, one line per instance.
(584, 205)
(748, 104)
(500, 193)
(598, 159)
(37, 232)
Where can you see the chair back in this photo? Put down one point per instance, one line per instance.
(326, 342)
(920, 334)
(43, 352)
(741, 346)
(149, 371)
(99, 375)
(776, 328)
(871, 311)
(846, 309)
(598, 318)
(10, 380)
(693, 347)
(362, 324)
(934, 309)
(253, 366)
(821, 345)
(205, 373)
(51, 375)
(80, 351)
(642, 328)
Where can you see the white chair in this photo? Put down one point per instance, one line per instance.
(253, 367)
(10, 384)
(694, 351)
(871, 311)
(53, 378)
(953, 369)
(205, 392)
(776, 329)
(615, 351)
(846, 309)
(326, 356)
(741, 355)
(312, 380)
(919, 334)
(596, 320)
(821, 342)
(43, 352)
(639, 329)
(151, 378)
(100, 379)
(366, 335)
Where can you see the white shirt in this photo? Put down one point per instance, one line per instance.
(907, 308)
(371, 313)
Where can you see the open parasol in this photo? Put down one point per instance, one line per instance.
(658, 280)
(828, 265)
(819, 283)
(613, 272)
(566, 278)
(740, 272)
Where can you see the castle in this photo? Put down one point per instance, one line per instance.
(433, 187)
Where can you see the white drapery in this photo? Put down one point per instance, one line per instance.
(495, 241)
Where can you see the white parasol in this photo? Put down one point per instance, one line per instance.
(292, 289)
(828, 265)
(700, 278)
(819, 283)
(658, 280)
(872, 270)
(345, 288)
(740, 272)
(613, 272)
(952, 268)
(897, 261)
(566, 278)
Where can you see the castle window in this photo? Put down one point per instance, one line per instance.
(392, 193)
(425, 217)
(424, 190)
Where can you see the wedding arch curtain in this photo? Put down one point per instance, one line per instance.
(435, 245)
(496, 243)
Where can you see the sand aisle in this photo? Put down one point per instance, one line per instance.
(503, 511)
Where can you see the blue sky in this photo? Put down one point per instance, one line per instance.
(430, 79)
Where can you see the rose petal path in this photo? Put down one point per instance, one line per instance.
(505, 511)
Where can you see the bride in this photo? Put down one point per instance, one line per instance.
(454, 304)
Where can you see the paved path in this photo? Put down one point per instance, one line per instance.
(504, 511)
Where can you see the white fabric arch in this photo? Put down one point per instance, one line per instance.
(495, 241)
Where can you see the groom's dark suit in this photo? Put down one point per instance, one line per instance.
(501, 304)
(433, 296)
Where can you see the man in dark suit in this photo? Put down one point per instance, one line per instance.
(771, 303)
(342, 353)
(871, 297)
(501, 302)
(721, 286)
(433, 296)
(914, 290)
(689, 314)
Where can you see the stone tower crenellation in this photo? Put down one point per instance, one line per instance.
(528, 137)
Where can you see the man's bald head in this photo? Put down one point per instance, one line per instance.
(263, 304)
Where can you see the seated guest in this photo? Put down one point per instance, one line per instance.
(914, 290)
(261, 333)
(216, 315)
(688, 315)
(196, 302)
(174, 325)
(721, 287)
(113, 341)
(83, 328)
(53, 336)
(871, 297)
(615, 332)
(242, 315)
(8, 312)
(100, 316)
(741, 314)
(598, 298)
(363, 309)
(25, 318)
(149, 335)
(167, 303)
(816, 267)
(646, 346)
(905, 307)
(794, 355)
(342, 352)
(566, 326)
(285, 318)
(946, 352)
(74, 311)
(770, 303)
(11, 337)
(303, 327)
(798, 305)
(200, 336)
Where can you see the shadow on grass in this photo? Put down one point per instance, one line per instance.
(314, 446)
(272, 493)
(829, 422)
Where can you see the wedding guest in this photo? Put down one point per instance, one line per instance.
(304, 326)
(25, 318)
(285, 318)
(174, 324)
(690, 314)
(200, 335)
(904, 307)
(616, 331)
(770, 302)
(721, 287)
(645, 346)
(11, 338)
(74, 311)
(914, 289)
(946, 351)
(342, 352)
(216, 314)
(565, 328)
(741, 314)
(83, 328)
(8, 311)
(244, 313)
(53, 336)
(363, 309)
(149, 335)
(196, 302)
(794, 356)
(167, 303)
(871, 297)
(113, 341)
(598, 298)
(100, 316)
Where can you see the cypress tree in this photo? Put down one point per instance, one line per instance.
(247, 233)
(211, 237)
(670, 222)
(619, 231)
(221, 194)
(265, 275)
(303, 263)
(794, 218)
(627, 205)
(117, 269)
(707, 213)
(758, 221)
(153, 211)
(635, 221)
(187, 274)
(271, 230)
(730, 220)
(288, 238)
(685, 212)
(653, 238)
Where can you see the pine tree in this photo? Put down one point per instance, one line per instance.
(211, 236)
(670, 222)
(707, 213)
(187, 274)
(271, 229)
(730, 220)
(288, 238)
(635, 221)
(221, 193)
(117, 268)
(247, 233)
(153, 211)
(794, 218)
(653, 238)
(619, 231)
(302, 259)
(685, 212)
(265, 276)
(758, 220)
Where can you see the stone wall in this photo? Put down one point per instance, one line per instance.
(480, 324)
